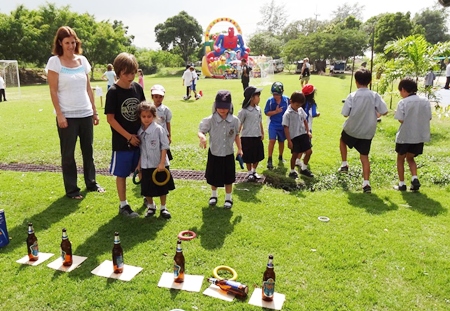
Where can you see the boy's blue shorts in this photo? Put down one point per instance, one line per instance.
(193, 86)
(123, 163)
(277, 133)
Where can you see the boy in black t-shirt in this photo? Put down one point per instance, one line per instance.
(121, 103)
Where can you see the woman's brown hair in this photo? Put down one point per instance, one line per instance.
(64, 32)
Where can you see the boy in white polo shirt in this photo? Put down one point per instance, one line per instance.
(362, 108)
(414, 114)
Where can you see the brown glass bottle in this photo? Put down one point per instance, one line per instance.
(268, 287)
(66, 249)
(240, 290)
(32, 244)
(117, 254)
(178, 264)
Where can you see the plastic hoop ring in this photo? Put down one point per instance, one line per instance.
(163, 182)
(324, 218)
(136, 174)
(231, 270)
(186, 235)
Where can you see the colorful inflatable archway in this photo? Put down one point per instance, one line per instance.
(224, 51)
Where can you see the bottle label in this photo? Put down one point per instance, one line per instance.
(269, 287)
(119, 262)
(234, 285)
(34, 249)
(63, 255)
(176, 270)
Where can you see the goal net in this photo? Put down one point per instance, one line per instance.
(263, 70)
(9, 70)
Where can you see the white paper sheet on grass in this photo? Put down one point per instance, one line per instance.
(276, 304)
(42, 257)
(192, 283)
(216, 292)
(106, 270)
(58, 263)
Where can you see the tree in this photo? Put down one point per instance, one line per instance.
(434, 23)
(264, 43)
(305, 26)
(274, 17)
(346, 10)
(391, 26)
(413, 57)
(181, 31)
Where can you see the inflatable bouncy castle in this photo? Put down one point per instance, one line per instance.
(223, 52)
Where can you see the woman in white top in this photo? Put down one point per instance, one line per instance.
(72, 97)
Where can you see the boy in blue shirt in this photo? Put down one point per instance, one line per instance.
(276, 106)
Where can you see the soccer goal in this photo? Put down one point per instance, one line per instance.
(263, 70)
(9, 70)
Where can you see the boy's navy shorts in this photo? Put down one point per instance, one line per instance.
(361, 145)
(123, 163)
(301, 143)
(415, 149)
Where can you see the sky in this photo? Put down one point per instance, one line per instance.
(143, 15)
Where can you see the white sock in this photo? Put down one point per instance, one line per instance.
(293, 170)
(366, 183)
(303, 166)
(151, 205)
(344, 163)
(228, 196)
(163, 207)
(414, 177)
(250, 172)
(123, 203)
(214, 193)
(401, 183)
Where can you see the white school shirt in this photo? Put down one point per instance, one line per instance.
(153, 140)
(250, 118)
(222, 133)
(415, 112)
(361, 107)
(164, 116)
(294, 120)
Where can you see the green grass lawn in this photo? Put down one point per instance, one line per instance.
(384, 251)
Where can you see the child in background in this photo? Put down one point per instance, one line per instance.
(252, 131)
(154, 146)
(220, 167)
(275, 107)
(163, 112)
(187, 80)
(429, 81)
(109, 76)
(362, 108)
(141, 78)
(414, 114)
(310, 108)
(194, 82)
(2, 89)
(305, 74)
(297, 133)
(121, 104)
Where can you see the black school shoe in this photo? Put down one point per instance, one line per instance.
(367, 189)
(415, 185)
(400, 188)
